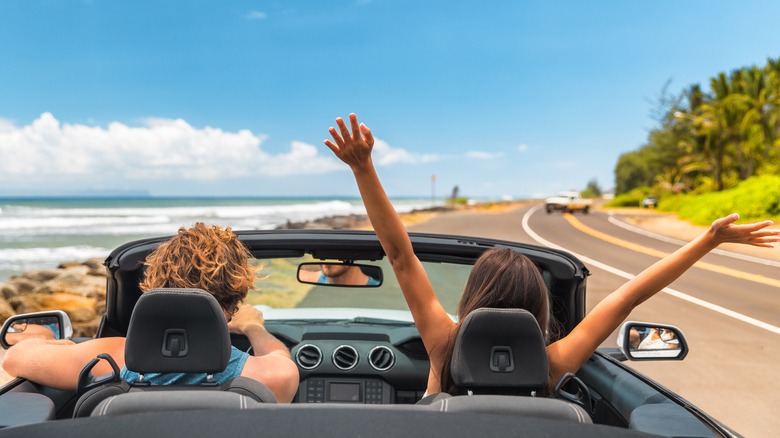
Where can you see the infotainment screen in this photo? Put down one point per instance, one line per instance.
(344, 392)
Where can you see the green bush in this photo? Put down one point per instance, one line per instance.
(630, 199)
(754, 199)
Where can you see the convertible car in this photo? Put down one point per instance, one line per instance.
(363, 367)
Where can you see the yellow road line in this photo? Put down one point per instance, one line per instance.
(660, 254)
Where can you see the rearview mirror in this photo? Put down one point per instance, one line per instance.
(651, 341)
(52, 324)
(340, 274)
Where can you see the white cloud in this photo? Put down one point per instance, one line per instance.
(482, 155)
(522, 148)
(256, 15)
(48, 151)
(6, 125)
(385, 155)
(302, 159)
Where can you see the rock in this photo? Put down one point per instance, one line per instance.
(94, 263)
(79, 309)
(24, 285)
(42, 275)
(329, 222)
(8, 290)
(78, 288)
(96, 267)
(6, 311)
(73, 276)
(86, 329)
(75, 281)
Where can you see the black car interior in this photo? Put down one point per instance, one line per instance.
(357, 372)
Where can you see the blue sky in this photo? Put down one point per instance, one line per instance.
(196, 98)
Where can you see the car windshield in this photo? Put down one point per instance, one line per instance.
(277, 286)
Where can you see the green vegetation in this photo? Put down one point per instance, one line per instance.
(714, 152)
(754, 199)
(592, 190)
(631, 199)
(710, 141)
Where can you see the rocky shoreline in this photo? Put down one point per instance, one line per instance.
(352, 221)
(78, 288)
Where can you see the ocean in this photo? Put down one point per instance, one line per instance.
(40, 233)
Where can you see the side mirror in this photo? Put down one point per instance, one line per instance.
(651, 341)
(52, 324)
(340, 274)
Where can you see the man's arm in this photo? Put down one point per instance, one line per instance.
(57, 363)
(271, 364)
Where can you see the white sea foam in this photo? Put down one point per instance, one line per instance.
(13, 259)
(150, 220)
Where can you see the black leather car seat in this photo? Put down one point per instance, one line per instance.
(500, 351)
(499, 365)
(175, 331)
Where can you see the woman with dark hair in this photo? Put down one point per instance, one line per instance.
(206, 257)
(503, 278)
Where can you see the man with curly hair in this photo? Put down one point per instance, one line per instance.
(205, 257)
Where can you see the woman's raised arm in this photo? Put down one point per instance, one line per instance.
(569, 353)
(354, 149)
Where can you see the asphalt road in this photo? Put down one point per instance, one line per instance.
(727, 308)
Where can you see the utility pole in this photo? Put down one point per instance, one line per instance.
(433, 190)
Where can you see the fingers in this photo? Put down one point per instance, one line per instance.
(761, 244)
(344, 130)
(331, 146)
(344, 140)
(725, 221)
(339, 142)
(355, 126)
(367, 134)
(758, 225)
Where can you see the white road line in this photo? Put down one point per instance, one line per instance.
(675, 293)
(668, 239)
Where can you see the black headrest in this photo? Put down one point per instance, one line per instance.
(177, 330)
(500, 351)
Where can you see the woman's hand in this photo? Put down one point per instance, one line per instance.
(724, 230)
(354, 148)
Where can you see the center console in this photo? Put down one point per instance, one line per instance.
(345, 390)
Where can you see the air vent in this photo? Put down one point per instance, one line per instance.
(345, 357)
(381, 358)
(308, 357)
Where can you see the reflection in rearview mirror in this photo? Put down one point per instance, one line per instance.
(649, 341)
(340, 274)
(42, 325)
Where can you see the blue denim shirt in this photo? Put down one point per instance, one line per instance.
(233, 370)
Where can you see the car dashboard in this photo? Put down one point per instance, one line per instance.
(353, 362)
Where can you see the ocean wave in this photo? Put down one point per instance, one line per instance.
(90, 220)
(182, 211)
(21, 259)
(42, 223)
